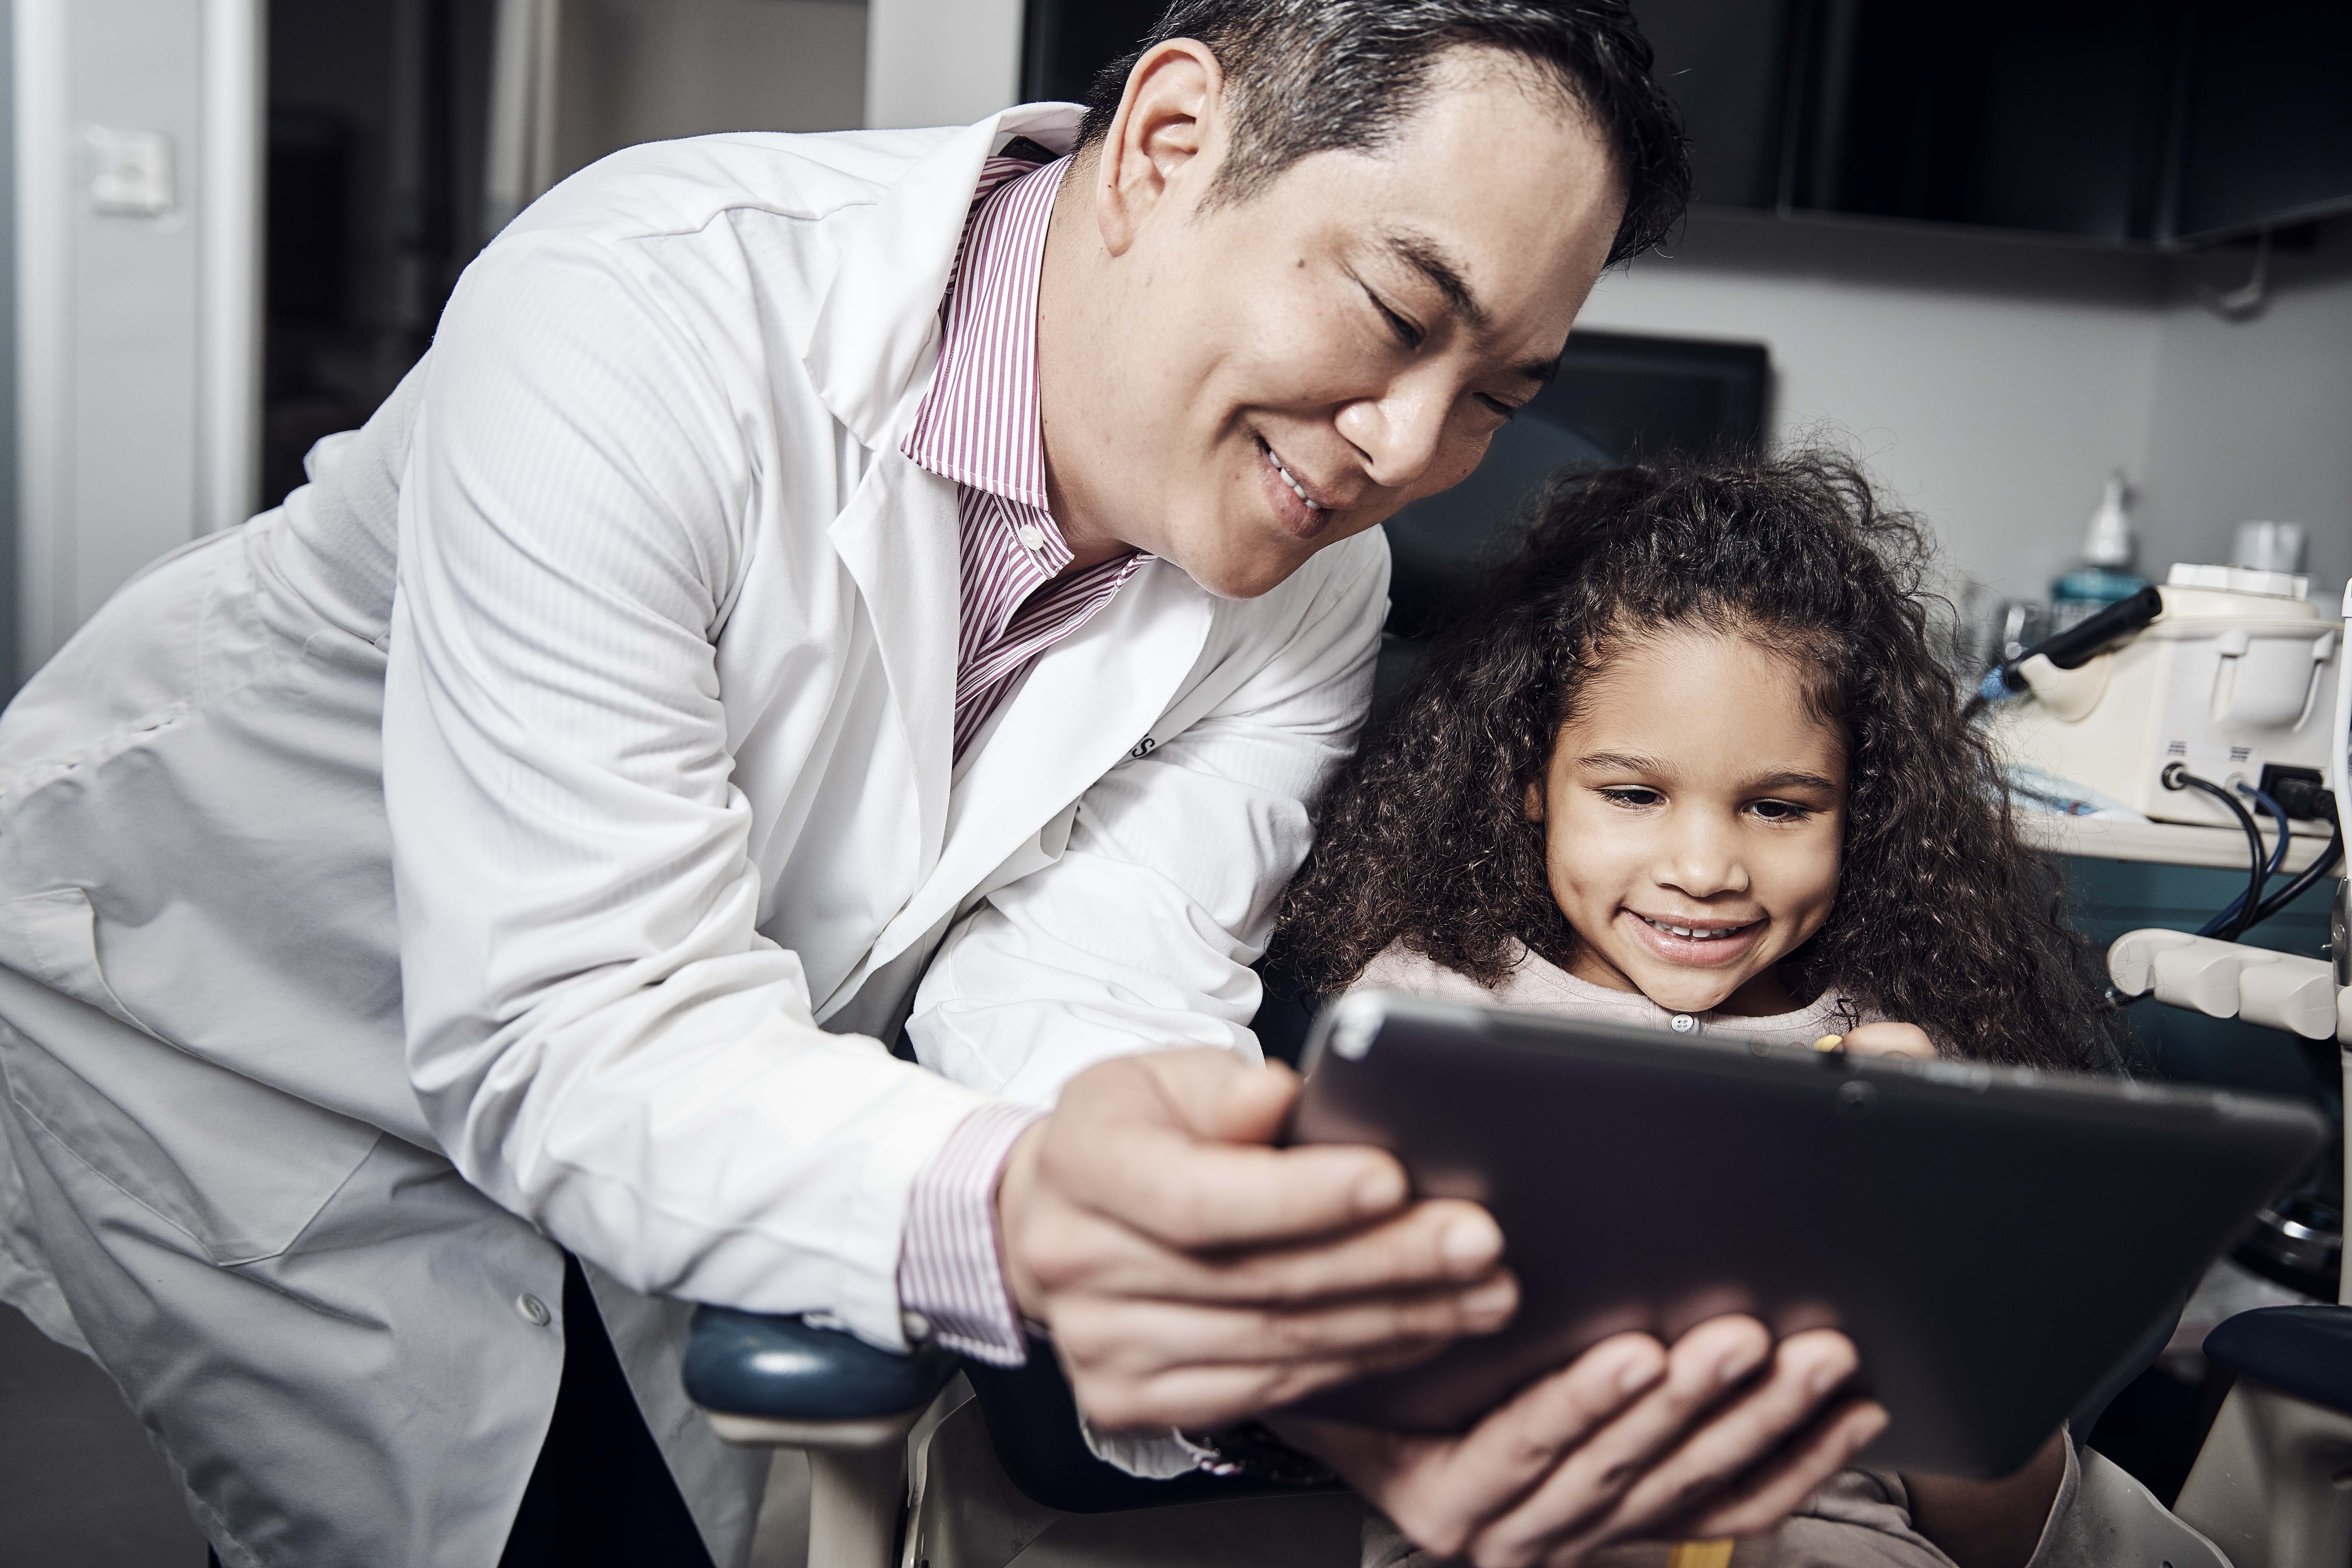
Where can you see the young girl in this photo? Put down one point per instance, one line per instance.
(1693, 765)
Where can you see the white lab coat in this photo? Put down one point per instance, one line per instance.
(652, 745)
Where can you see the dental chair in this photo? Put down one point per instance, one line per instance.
(921, 1461)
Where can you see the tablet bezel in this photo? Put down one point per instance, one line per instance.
(2179, 1170)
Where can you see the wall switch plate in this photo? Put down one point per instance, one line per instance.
(131, 173)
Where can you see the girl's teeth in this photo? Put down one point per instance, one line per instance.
(1694, 934)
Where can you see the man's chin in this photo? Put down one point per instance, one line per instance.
(1240, 574)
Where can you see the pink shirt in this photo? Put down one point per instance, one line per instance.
(979, 427)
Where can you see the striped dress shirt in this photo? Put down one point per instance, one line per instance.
(979, 427)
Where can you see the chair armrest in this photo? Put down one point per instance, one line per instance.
(785, 1372)
(2305, 1351)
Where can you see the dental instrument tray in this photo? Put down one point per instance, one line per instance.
(1995, 1240)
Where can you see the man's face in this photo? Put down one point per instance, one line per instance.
(1297, 366)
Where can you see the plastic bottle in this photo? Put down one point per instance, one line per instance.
(2105, 575)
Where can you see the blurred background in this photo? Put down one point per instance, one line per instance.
(2043, 266)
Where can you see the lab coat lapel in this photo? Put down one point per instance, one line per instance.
(1090, 700)
(876, 332)
(898, 538)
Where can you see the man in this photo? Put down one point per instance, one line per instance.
(819, 591)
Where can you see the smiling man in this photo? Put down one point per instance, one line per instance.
(822, 594)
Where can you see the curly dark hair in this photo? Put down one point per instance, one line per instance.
(1943, 917)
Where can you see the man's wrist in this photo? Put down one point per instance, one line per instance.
(1016, 1184)
(951, 1261)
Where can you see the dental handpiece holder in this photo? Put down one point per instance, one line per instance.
(2224, 671)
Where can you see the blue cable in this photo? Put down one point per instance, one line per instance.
(2278, 857)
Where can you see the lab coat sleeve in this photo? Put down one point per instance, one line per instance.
(1141, 935)
(601, 1039)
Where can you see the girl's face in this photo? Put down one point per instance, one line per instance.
(1693, 816)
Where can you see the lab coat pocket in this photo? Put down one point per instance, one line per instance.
(236, 1167)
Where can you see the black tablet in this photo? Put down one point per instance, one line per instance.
(1993, 1239)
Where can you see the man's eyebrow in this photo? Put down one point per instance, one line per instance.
(1433, 262)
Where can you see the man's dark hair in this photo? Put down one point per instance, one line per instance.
(1320, 76)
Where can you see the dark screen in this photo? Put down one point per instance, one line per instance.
(2266, 129)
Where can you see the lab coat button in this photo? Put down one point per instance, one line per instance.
(916, 1327)
(1032, 537)
(1684, 1023)
(534, 1310)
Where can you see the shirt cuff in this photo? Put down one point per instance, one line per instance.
(951, 1270)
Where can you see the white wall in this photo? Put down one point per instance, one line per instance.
(138, 335)
(648, 70)
(1993, 384)
(941, 62)
(2253, 419)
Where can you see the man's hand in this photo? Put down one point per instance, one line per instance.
(1631, 1440)
(1192, 1276)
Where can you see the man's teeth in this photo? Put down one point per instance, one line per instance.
(1295, 488)
(1717, 934)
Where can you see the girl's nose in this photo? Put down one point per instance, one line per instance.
(1703, 861)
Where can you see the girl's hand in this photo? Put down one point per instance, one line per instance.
(1722, 1434)
(1890, 1040)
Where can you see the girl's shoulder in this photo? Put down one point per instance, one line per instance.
(1533, 982)
(1402, 970)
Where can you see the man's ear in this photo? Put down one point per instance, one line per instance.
(1170, 116)
(1534, 804)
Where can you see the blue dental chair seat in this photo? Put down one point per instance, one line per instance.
(2305, 1351)
(747, 1364)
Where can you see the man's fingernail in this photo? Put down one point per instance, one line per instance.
(1469, 1242)
(1638, 1374)
(1823, 1379)
(1736, 1364)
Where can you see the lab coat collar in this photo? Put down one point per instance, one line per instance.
(876, 336)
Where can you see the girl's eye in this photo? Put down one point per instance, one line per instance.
(1632, 795)
(1781, 810)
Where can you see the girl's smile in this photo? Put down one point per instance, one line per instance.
(1694, 815)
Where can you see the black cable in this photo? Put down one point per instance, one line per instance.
(2176, 776)
(2304, 879)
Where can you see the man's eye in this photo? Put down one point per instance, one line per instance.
(1509, 411)
(1406, 333)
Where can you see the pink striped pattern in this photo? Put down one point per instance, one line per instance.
(979, 425)
(949, 1268)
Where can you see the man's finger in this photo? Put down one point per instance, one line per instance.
(1207, 1395)
(1761, 1500)
(1585, 1492)
(1806, 1372)
(1446, 1500)
(1122, 1336)
(1136, 1150)
(1438, 1243)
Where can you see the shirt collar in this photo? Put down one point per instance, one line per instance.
(980, 424)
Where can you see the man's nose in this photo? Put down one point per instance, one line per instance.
(1400, 433)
